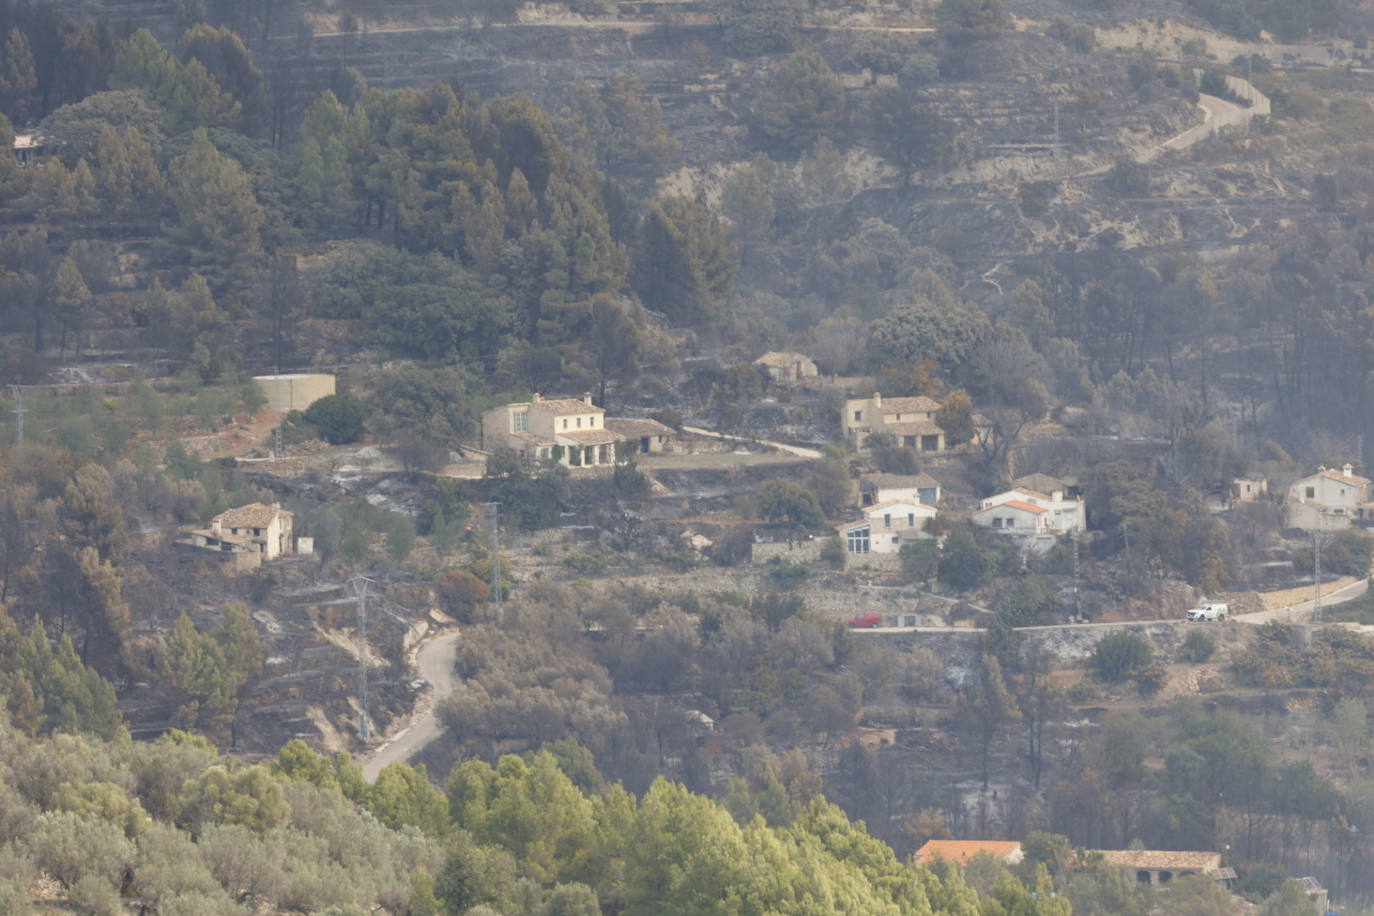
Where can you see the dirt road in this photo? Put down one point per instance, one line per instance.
(435, 664)
(799, 451)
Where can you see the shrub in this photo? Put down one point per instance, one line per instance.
(1214, 83)
(1199, 646)
(1151, 681)
(832, 553)
(1120, 655)
(338, 418)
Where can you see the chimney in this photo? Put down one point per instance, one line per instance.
(587, 398)
(1348, 469)
(536, 399)
(877, 399)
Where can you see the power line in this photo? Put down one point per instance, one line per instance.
(360, 584)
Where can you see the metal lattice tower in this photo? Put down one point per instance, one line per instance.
(360, 584)
(19, 411)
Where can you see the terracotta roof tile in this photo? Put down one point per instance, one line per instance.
(253, 515)
(1161, 858)
(559, 406)
(588, 436)
(780, 360)
(637, 428)
(961, 851)
(1016, 504)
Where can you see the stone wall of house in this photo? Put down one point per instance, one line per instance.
(876, 562)
(795, 552)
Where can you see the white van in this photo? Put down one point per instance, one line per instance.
(1210, 610)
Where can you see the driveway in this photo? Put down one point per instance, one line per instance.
(798, 450)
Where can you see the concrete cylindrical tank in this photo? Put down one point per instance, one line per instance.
(295, 391)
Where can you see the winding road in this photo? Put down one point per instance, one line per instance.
(434, 662)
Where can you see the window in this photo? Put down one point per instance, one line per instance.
(887, 520)
(858, 415)
(565, 422)
(591, 421)
(1311, 492)
(896, 540)
(1011, 523)
(579, 422)
(522, 421)
(996, 522)
(858, 540)
(911, 519)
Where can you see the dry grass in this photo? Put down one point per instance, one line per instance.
(1287, 596)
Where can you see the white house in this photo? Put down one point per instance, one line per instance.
(1015, 517)
(1062, 515)
(1328, 500)
(910, 421)
(886, 526)
(877, 488)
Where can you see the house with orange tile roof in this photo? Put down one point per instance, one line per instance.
(959, 852)
(1025, 513)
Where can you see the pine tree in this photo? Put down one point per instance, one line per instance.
(70, 297)
(116, 173)
(220, 216)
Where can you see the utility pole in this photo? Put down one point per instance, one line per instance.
(495, 554)
(360, 584)
(1077, 597)
(19, 411)
(1317, 572)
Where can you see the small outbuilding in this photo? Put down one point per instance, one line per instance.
(787, 368)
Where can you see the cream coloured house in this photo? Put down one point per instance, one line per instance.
(1328, 500)
(909, 421)
(571, 431)
(248, 535)
(270, 527)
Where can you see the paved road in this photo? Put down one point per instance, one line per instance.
(435, 664)
(1303, 609)
(799, 451)
(1293, 613)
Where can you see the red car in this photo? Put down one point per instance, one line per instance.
(866, 621)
